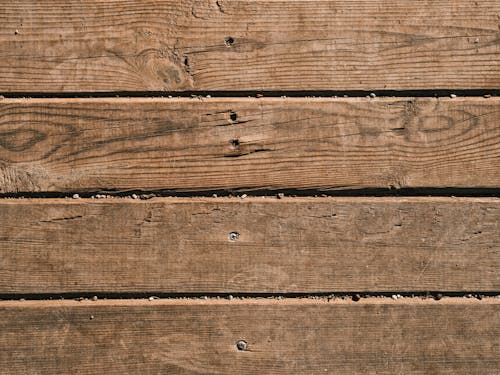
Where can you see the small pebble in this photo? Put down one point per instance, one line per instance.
(280, 195)
(438, 296)
(476, 40)
(94, 298)
(356, 297)
(373, 95)
(259, 95)
(153, 298)
(16, 32)
(485, 96)
(453, 96)
(230, 297)
(243, 196)
(76, 196)
(209, 96)
(214, 195)
(134, 196)
(394, 296)
(91, 317)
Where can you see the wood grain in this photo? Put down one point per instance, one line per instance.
(302, 245)
(284, 337)
(143, 45)
(243, 143)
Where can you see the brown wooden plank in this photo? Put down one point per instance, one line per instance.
(223, 143)
(453, 337)
(142, 45)
(285, 245)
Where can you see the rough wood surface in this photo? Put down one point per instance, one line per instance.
(222, 143)
(140, 45)
(283, 337)
(289, 245)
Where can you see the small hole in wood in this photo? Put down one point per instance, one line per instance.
(233, 116)
(235, 142)
(229, 41)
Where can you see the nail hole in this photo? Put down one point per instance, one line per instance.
(229, 41)
(235, 142)
(241, 345)
(233, 236)
(233, 116)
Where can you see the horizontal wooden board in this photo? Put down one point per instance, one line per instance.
(283, 337)
(143, 45)
(224, 143)
(301, 245)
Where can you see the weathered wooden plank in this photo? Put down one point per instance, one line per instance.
(222, 143)
(283, 337)
(75, 46)
(285, 245)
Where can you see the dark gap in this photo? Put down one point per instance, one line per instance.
(229, 295)
(253, 93)
(256, 192)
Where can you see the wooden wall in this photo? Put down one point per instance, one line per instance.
(250, 187)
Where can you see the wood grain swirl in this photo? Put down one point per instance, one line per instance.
(132, 45)
(64, 145)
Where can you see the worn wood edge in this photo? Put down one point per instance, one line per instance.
(250, 301)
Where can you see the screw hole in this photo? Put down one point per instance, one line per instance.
(241, 345)
(233, 236)
(229, 41)
(233, 116)
(235, 142)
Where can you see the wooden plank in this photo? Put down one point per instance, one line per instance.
(222, 143)
(283, 337)
(302, 245)
(142, 45)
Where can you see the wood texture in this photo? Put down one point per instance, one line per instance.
(138, 45)
(192, 144)
(284, 337)
(290, 245)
